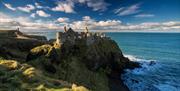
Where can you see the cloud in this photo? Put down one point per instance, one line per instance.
(171, 23)
(9, 6)
(102, 25)
(93, 24)
(66, 7)
(155, 26)
(97, 5)
(63, 19)
(7, 22)
(42, 13)
(86, 18)
(117, 25)
(39, 6)
(144, 15)
(116, 11)
(28, 8)
(33, 15)
(108, 23)
(123, 11)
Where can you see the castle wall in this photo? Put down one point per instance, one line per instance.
(71, 36)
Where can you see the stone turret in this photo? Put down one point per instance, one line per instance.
(57, 38)
(18, 29)
(65, 30)
(86, 30)
(68, 35)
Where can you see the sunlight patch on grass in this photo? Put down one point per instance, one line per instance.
(10, 64)
(29, 72)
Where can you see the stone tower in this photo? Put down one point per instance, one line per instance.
(18, 29)
(65, 30)
(86, 30)
(58, 38)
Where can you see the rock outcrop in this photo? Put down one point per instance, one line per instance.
(88, 65)
(96, 66)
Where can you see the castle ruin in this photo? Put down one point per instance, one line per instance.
(71, 36)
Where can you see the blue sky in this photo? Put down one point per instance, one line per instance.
(108, 15)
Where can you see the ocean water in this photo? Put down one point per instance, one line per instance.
(158, 53)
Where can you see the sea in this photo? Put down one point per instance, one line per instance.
(158, 54)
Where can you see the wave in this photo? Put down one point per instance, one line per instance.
(139, 79)
(166, 87)
(146, 65)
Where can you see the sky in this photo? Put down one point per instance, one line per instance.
(98, 15)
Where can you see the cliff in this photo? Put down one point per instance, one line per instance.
(69, 65)
(19, 35)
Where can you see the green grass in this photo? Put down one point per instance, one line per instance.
(22, 77)
(52, 69)
(71, 69)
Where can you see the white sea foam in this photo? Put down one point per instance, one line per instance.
(146, 65)
(131, 57)
(167, 87)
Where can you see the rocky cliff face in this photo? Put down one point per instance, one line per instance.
(60, 66)
(87, 65)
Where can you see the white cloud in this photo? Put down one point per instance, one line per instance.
(3, 16)
(33, 15)
(86, 18)
(118, 10)
(9, 6)
(144, 15)
(108, 23)
(171, 23)
(91, 23)
(67, 6)
(64, 7)
(103, 25)
(7, 22)
(28, 8)
(97, 4)
(63, 19)
(123, 11)
(117, 25)
(81, 1)
(39, 6)
(42, 13)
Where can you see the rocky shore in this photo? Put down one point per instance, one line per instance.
(74, 61)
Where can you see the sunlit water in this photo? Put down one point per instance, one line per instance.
(161, 48)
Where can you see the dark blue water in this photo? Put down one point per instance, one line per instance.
(161, 48)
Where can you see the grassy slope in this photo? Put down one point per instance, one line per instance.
(71, 69)
(20, 77)
(33, 75)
